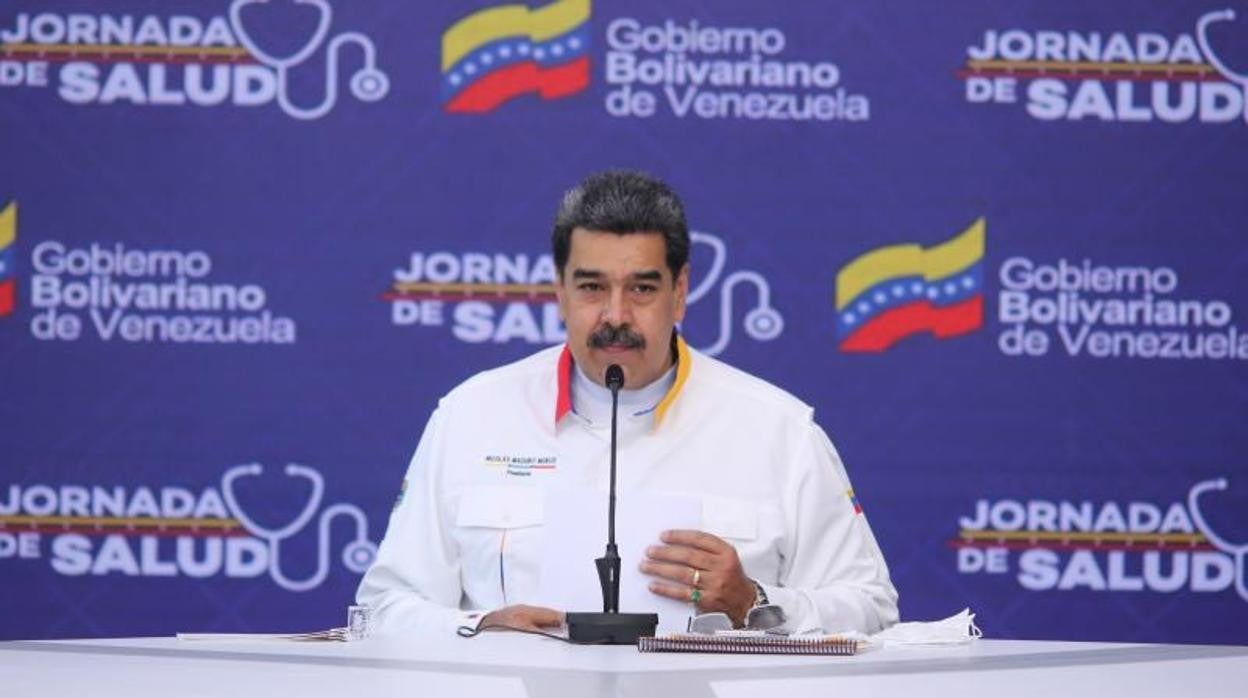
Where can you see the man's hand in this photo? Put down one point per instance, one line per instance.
(690, 556)
(523, 618)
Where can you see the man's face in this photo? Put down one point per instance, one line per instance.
(620, 303)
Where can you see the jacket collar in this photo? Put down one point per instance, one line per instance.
(563, 395)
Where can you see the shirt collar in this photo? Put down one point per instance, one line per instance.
(563, 398)
(593, 402)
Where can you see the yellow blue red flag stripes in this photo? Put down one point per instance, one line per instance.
(8, 280)
(895, 291)
(501, 52)
(853, 500)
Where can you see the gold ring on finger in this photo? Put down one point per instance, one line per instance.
(697, 577)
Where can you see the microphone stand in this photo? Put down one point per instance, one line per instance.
(611, 627)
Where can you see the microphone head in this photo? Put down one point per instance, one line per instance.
(615, 377)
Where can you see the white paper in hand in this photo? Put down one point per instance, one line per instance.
(576, 534)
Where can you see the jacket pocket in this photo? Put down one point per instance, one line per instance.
(492, 506)
(735, 519)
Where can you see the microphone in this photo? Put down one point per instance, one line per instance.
(611, 627)
(609, 564)
(614, 379)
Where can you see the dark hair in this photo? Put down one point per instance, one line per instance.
(623, 202)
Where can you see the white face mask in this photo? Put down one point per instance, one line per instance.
(955, 630)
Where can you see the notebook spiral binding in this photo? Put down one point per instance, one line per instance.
(759, 644)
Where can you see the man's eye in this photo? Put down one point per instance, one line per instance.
(590, 286)
(645, 288)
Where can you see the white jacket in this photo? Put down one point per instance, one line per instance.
(465, 536)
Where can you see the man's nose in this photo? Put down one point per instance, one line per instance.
(618, 311)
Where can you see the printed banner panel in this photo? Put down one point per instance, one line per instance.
(999, 247)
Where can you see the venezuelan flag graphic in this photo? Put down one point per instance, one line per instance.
(893, 292)
(8, 256)
(501, 52)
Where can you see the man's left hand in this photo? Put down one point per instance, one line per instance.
(694, 556)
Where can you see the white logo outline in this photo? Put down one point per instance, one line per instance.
(368, 84)
(357, 555)
(762, 322)
(1237, 552)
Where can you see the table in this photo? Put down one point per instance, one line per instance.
(503, 665)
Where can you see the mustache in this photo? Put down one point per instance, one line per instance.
(612, 336)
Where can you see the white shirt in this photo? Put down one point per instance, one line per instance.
(465, 537)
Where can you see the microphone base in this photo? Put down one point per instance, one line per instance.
(611, 628)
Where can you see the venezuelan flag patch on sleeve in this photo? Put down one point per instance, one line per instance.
(853, 500)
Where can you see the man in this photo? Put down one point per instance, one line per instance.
(780, 523)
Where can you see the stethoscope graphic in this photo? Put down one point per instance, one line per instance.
(1202, 37)
(762, 322)
(356, 555)
(368, 83)
(1239, 552)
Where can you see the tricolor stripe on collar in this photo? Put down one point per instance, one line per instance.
(563, 400)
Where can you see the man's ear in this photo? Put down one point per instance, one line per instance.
(682, 292)
(560, 296)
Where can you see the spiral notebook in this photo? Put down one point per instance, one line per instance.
(753, 643)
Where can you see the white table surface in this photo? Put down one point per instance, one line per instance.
(500, 665)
